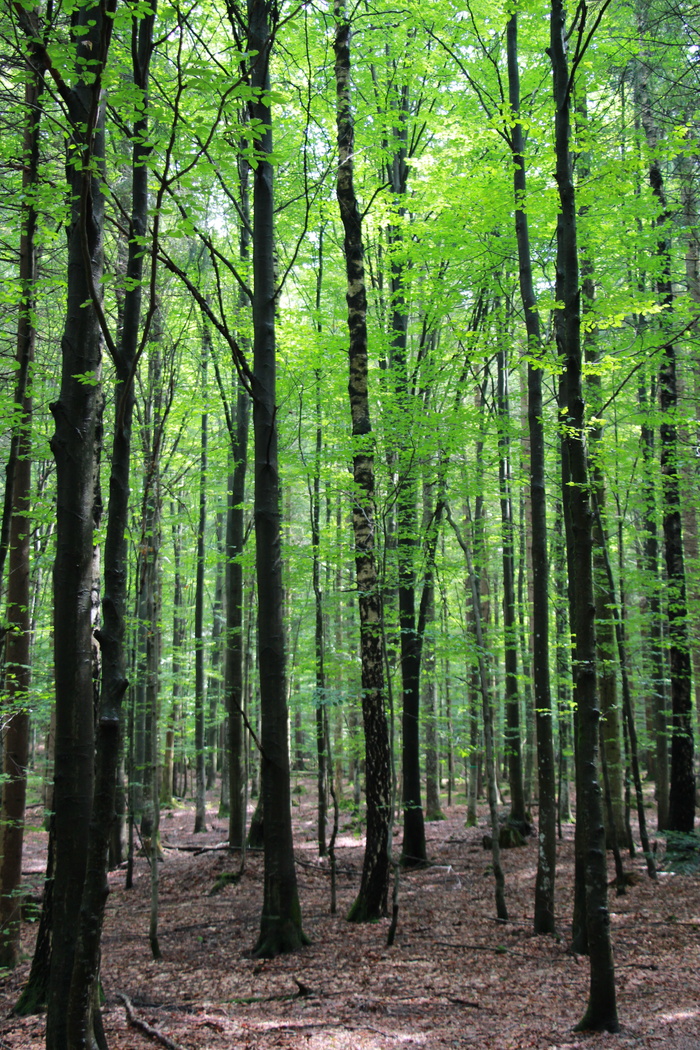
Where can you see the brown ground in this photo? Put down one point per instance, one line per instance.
(454, 977)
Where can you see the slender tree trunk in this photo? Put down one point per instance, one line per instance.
(17, 669)
(321, 699)
(681, 804)
(235, 539)
(214, 679)
(601, 1013)
(487, 713)
(654, 644)
(544, 921)
(513, 745)
(199, 716)
(611, 715)
(371, 901)
(167, 786)
(280, 924)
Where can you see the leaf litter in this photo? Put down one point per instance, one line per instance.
(455, 977)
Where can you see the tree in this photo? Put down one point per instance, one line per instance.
(17, 669)
(371, 900)
(280, 923)
(601, 1013)
(76, 415)
(544, 919)
(681, 807)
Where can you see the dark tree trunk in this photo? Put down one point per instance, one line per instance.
(681, 801)
(74, 446)
(280, 924)
(84, 1025)
(413, 850)
(235, 539)
(320, 700)
(235, 641)
(611, 720)
(654, 642)
(544, 920)
(17, 669)
(371, 901)
(601, 1013)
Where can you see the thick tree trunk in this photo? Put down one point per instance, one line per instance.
(74, 446)
(280, 923)
(84, 1024)
(371, 901)
(601, 1013)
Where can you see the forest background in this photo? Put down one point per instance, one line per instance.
(495, 211)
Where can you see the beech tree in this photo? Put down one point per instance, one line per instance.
(371, 900)
(280, 924)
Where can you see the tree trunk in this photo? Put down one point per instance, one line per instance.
(681, 803)
(214, 680)
(280, 924)
(601, 1013)
(512, 743)
(544, 921)
(371, 901)
(74, 446)
(17, 669)
(84, 1023)
(235, 539)
(199, 735)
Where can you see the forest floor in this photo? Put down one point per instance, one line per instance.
(454, 977)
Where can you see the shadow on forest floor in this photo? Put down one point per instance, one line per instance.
(454, 978)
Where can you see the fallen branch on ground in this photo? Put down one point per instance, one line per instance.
(142, 1026)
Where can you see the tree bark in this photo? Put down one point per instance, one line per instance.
(199, 734)
(17, 669)
(84, 1024)
(371, 901)
(601, 1013)
(74, 446)
(681, 802)
(544, 918)
(280, 924)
